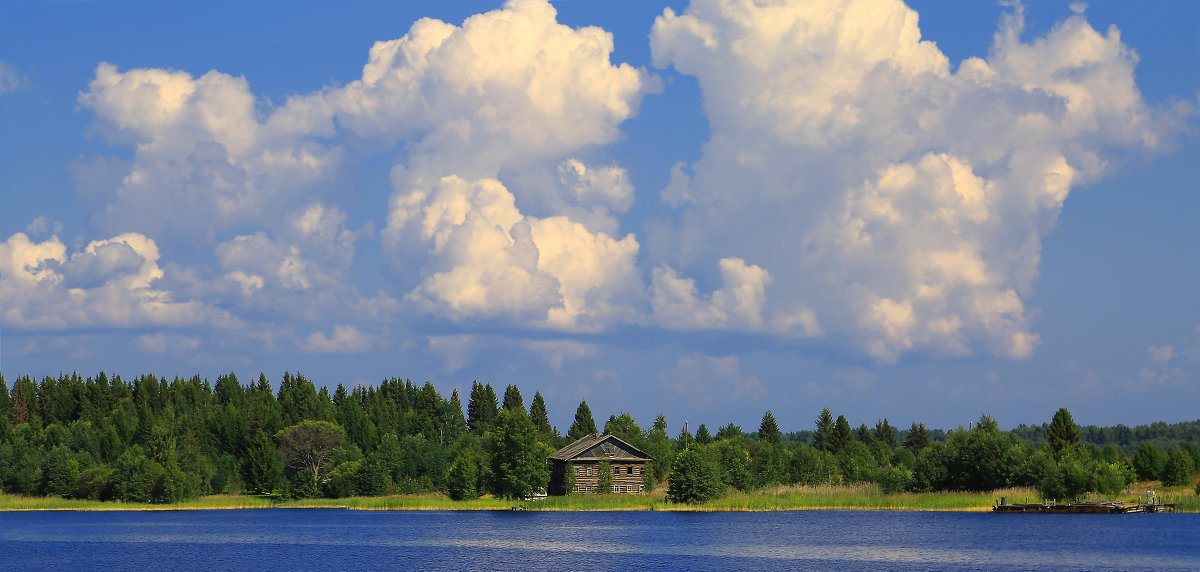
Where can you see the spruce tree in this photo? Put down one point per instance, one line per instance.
(885, 433)
(584, 424)
(768, 430)
(842, 434)
(481, 408)
(823, 438)
(454, 424)
(539, 416)
(512, 399)
(917, 439)
(729, 431)
(1063, 432)
(702, 435)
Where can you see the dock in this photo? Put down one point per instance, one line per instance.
(1083, 507)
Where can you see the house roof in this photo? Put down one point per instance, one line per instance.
(597, 447)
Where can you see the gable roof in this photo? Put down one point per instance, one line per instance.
(597, 447)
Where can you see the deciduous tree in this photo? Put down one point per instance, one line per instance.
(311, 447)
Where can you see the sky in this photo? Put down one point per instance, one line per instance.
(706, 210)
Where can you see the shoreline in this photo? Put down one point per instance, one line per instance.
(777, 499)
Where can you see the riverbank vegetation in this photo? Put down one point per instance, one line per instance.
(71, 442)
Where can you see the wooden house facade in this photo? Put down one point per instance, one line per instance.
(583, 457)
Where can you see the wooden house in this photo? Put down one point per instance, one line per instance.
(583, 457)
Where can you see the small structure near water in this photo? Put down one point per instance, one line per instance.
(626, 462)
(1152, 504)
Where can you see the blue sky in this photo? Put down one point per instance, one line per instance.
(703, 209)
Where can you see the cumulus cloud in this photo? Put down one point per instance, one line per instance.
(109, 283)
(508, 86)
(205, 157)
(703, 378)
(901, 202)
(485, 259)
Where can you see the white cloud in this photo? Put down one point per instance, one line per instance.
(558, 353)
(487, 260)
(10, 78)
(163, 343)
(1161, 354)
(203, 160)
(346, 339)
(110, 283)
(736, 305)
(702, 379)
(506, 87)
(902, 204)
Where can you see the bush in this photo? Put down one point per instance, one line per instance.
(1178, 470)
(694, 477)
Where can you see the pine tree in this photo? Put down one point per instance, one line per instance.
(584, 424)
(768, 430)
(1063, 432)
(823, 439)
(702, 435)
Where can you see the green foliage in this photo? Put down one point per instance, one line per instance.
(583, 424)
(768, 429)
(1063, 432)
(512, 399)
(310, 447)
(539, 416)
(604, 480)
(625, 427)
(518, 458)
(262, 467)
(481, 408)
(1149, 463)
(463, 477)
(729, 431)
(703, 437)
(823, 439)
(842, 435)
(694, 477)
(1178, 469)
(884, 433)
(734, 463)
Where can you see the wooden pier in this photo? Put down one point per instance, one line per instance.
(1083, 507)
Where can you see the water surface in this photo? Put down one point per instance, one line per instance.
(334, 539)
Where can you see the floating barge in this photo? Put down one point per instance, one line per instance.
(1084, 507)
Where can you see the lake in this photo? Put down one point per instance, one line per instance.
(334, 539)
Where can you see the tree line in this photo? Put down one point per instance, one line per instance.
(150, 439)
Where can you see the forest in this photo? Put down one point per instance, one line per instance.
(154, 440)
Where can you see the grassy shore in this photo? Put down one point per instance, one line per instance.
(858, 497)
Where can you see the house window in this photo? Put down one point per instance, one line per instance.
(629, 470)
(589, 471)
(616, 471)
